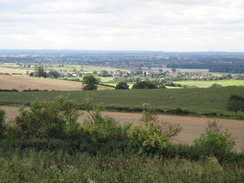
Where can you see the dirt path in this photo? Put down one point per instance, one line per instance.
(192, 127)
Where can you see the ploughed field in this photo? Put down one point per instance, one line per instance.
(192, 127)
(24, 83)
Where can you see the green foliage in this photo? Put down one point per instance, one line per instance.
(214, 140)
(101, 128)
(216, 85)
(235, 103)
(2, 123)
(149, 114)
(151, 135)
(122, 85)
(40, 72)
(90, 82)
(46, 119)
(28, 165)
(144, 85)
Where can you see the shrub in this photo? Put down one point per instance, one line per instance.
(235, 103)
(144, 85)
(151, 135)
(2, 123)
(214, 140)
(46, 119)
(101, 128)
(122, 85)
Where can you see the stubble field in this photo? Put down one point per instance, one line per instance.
(24, 83)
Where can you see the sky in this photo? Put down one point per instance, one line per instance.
(155, 25)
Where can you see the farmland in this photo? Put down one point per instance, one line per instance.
(197, 100)
(210, 83)
(24, 83)
(45, 144)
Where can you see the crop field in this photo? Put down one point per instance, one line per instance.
(199, 100)
(24, 83)
(12, 71)
(209, 83)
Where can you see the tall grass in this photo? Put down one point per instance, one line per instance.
(29, 165)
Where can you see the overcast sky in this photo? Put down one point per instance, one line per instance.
(160, 25)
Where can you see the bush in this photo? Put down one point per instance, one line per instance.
(145, 85)
(215, 141)
(102, 128)
(46, 119)
(122, 85)
(2, 123)
(90, 87)
(151, 135)
(235, 103)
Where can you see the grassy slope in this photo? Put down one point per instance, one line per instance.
(197, 99)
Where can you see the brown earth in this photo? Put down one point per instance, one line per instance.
(192, 127)
(24, 83)
(12, 71)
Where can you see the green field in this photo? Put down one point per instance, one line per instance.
(199, 100)
(209, 83)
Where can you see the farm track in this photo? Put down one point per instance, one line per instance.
(192, 127)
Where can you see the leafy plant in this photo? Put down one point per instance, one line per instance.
(215, 140)
(235, 103)
(122, 85)
(152, 134)
(101, 128)
(46, 119)
(2, 123)
(90, 82)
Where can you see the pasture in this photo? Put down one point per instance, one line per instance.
(209, 83)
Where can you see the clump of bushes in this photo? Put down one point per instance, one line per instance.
(215, 141)
(57, 119)
(46, 119)
(2, 123)
(101, 128)
(7, 90)
(151, 135)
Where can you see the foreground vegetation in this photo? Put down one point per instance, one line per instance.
(30, 165)
(194, 101)
(46, 144)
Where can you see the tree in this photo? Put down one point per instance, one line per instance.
(53, 74)
(90, 82)
(173, 69)
(122, 85)
(40, 72)
(235, 103)
(144, 85)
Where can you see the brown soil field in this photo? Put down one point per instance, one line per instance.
(23, 83)
(192, 127)
(12, 71)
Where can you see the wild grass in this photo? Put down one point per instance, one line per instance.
(30, 165)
